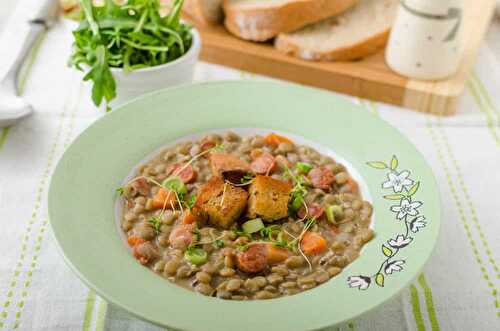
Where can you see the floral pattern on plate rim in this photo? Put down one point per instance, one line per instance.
(406, 210)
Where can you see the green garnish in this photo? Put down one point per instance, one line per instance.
(195, 255)
(242, 248)
(247, 179)
(129, 36)
(299, 190)
(269, 232)
(303, 167)
(253, 226)
(120, 190)
(332, 211)
(197, 235)
(191, 201)
(175, 184)
(219, 243)
(155, 222)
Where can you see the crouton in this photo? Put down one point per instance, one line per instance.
(220, 203)
(268, 198)
(228, 167)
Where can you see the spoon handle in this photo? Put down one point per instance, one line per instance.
(11, 79)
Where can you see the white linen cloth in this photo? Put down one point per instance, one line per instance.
(458, 289)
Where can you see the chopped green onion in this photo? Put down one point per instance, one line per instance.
(252, 226)
(196, 256)
(175, 184)
(332, 212)
(303, 167)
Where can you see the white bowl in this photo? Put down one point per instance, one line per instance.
(140, 81)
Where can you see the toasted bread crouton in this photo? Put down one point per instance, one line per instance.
(220, 202)
(228, 167)
(268, 198)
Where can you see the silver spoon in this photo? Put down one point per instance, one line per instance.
(12, 106)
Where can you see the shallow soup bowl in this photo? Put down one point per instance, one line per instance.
(83, 195)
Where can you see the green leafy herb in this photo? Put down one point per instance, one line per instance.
(242, 248)
(120, 190)
(303, 167)
(247, 179)
(299, 190)
(191, 201)
(129, 36)
(219, 243)
(197, 235)
(155, 222)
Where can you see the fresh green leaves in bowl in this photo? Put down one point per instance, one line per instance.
(129, 36)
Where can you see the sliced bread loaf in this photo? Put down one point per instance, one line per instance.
(204, 11)
(260, 20)
(357, 33)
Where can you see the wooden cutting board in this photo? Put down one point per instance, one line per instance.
(369, 78)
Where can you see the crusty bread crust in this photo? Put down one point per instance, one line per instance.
(194, 8)
(355, 51)
(265, 22)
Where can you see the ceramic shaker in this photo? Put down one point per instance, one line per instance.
(425, 41)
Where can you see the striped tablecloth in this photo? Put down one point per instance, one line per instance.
(458, 289)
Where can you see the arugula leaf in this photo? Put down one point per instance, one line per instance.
(129, 36)
(100, 74)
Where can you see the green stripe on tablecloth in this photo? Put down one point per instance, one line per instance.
(101, 315)
(487, 98)
(3, 136)
(468, 200)
(480, 102)
(415, 304)
(28, 233)
(462, 217)
(40, 236)
(429, 302)
(89, 309)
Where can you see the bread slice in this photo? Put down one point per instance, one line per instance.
(204, 11)
(260, 20)
(355, 34)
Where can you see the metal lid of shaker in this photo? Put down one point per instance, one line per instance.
(433, 7)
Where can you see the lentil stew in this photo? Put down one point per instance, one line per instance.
(244, 217)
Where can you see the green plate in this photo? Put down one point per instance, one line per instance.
(400, 183)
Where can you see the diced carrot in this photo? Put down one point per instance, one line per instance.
(313, 243)
(135, 240)
(164, 198)
(276, 254)
(189, 218)
(353, 185)
(276, 139)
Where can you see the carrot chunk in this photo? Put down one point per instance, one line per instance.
(276, 254)
(189, 218)
(276, 139)
(313, 243)
(164, 198)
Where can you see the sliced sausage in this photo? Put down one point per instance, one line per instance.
(322, 178)
(186, 173)
(144, 252)
(253, 260)
(139, 186)
(314, 210)
(181, 236)
(264, 164)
